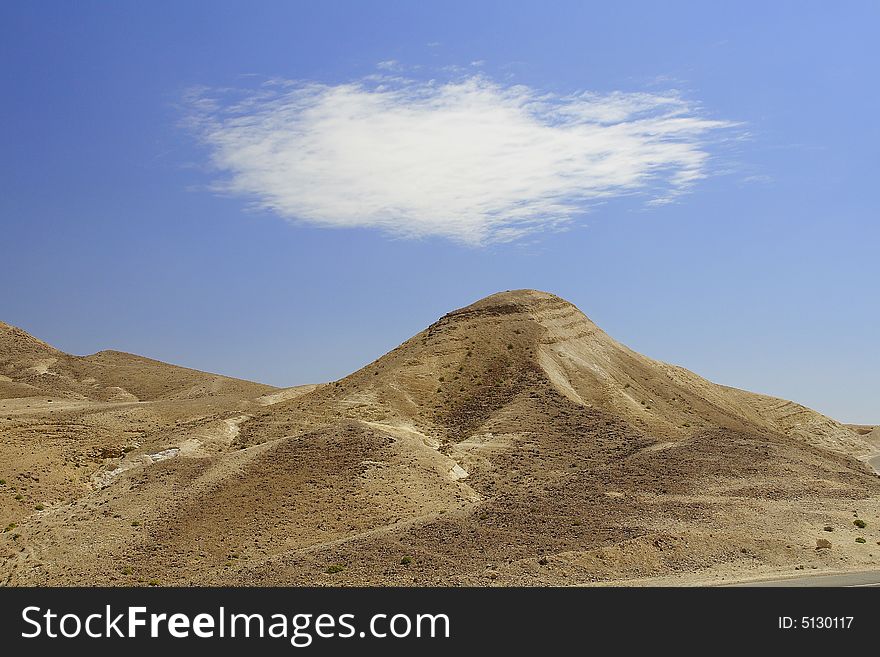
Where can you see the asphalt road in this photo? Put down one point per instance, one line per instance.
(864, 578)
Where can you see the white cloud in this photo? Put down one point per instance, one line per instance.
(472, 160)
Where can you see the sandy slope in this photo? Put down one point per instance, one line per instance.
(511, 442)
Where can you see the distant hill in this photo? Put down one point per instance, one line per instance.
(31, 368)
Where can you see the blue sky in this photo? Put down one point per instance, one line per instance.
(261, 189)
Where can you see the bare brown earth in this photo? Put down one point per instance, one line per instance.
(510, 443)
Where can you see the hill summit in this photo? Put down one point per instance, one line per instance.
(474, 361)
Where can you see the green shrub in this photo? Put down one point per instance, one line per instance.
(335, 568)
(19, 497)
(154, 582)
(406, 561)
(10, 527)
(858, 522)
(860, 540)
(135, 523)
(39, 507)
(828, 528)
(2, 482)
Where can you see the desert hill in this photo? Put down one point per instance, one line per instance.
(511, 442)
(454, 375)
(31, 368)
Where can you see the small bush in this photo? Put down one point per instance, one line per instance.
(2, 482)
(135, 523)
(543, 561)
(126, 571)
(860, 540)
(510, 346)
(828, 528)
(154, 582)
(335, 568)
(858, 522)
(10, 527)
(39, 507)
(406, 561)
(19, 497)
